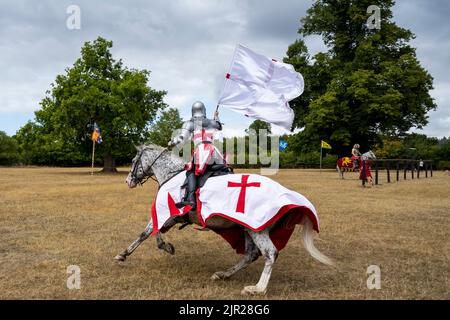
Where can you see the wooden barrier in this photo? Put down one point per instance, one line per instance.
(415, 166)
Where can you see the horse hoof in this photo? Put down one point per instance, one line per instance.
(253, 290)
(219, 275)
(120, 258)
(169, 248)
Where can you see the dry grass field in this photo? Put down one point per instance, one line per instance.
(51, 218)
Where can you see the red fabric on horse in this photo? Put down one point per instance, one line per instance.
(345, 162)
(279, 235)
(364, 171)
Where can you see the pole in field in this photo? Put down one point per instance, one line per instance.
(96, 137)
(323, 145)
(93, 157)
(321, 159)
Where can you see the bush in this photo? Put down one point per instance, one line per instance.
(291, 159)
(443, 165)
(8, 150)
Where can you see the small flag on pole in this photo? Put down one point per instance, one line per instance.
(325, 145)
(283, 145)
(96, 136)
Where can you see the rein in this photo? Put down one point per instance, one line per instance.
(146, 174)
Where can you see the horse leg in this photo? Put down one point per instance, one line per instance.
(270, 253)
(162, 245)
(166, 246)
(340, 171)
(143, 236)
(251, 254)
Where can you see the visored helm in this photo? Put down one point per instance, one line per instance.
(198, 110)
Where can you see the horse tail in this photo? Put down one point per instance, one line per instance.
(308, 242)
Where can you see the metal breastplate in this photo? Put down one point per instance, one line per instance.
(203, 135)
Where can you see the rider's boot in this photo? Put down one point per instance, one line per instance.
(189, 199)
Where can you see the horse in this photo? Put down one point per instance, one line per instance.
(154, 161)
(347, 164)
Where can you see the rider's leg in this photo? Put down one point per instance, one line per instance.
(189, 198)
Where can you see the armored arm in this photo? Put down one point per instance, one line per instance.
(215, 123)
(183, 136)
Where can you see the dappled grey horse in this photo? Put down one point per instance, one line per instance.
(155, 161)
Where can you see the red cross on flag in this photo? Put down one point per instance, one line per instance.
(260, 87)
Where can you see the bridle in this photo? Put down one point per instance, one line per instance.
(146, 174)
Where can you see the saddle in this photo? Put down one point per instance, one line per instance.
(212, 170)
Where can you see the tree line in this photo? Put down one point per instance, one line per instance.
(14, 151)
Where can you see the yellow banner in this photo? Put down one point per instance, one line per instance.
(325, 145)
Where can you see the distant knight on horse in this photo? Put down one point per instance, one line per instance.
(357, 161)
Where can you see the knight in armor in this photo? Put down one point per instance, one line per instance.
(201, 130)
(355, 156)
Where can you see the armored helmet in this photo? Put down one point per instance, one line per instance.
(198, 110)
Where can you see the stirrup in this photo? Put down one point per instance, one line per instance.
(185, 203)
(185, 224)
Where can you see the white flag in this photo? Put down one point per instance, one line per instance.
(260, 87)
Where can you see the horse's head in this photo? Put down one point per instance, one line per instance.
(141, 167)
(369, 155)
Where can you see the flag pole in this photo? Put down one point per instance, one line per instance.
(321, 157)
(217, 108)
(93, 154)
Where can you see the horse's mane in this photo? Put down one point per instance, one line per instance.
(151, 146)
(367, 155)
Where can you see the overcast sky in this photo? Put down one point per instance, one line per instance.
(186, 44)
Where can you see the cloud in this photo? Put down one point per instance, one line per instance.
(186, 44)
(429, 22)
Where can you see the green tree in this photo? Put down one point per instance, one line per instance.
(443, 154)
(161, 132)
(38, 145)
(262, 129)
(420, 146)
(98, 88)
(368, 83)
(258, 125)
(410, 146)
(390, 148)
(8, 150)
